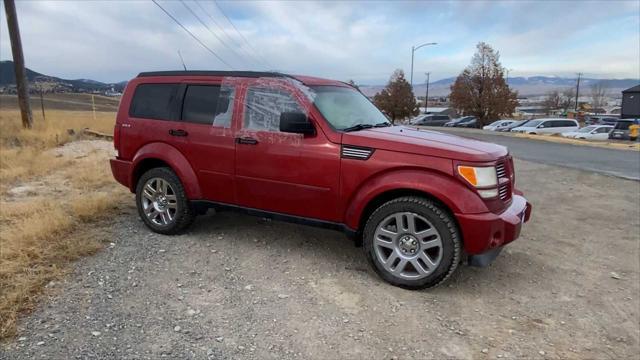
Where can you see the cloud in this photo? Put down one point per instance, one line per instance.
(364, 41)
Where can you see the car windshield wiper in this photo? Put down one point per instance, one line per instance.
(357, 127)
(382, 124)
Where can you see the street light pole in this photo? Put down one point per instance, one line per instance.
(426, 98)
(413, 50)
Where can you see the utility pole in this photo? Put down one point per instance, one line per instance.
(577, 91)
(42, 105)
(18, 64)
(426, 97)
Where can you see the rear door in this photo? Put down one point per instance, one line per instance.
(601, 133)
(152, 116)
(206, 114)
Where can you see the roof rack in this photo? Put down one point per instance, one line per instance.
(251, 74)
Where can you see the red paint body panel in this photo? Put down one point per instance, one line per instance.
(122, 171)
(306, 176)
(176, 160)
(483, 232)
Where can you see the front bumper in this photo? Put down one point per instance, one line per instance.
(485, 232)
(121, 171)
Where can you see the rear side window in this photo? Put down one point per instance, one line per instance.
(200, 103)
(154, 101)
(623, 125)
(568, 123)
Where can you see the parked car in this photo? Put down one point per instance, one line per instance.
(514, 125)
(453, 122)
(498, 125)
(315, 152)
(430, 120)
(547, 126)
(596, 132)
(468, 122)
(600, 120)
(625, 129)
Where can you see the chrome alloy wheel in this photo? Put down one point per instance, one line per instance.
(159, 201)
(408, 245)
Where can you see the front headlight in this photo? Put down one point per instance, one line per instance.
(479, 176)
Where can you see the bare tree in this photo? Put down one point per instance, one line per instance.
(480, 90)
(599, 94)
(552, 101)
(566, 99)
(397, 99)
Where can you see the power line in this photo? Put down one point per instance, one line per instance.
(209, 29)
(252, 56)
(239, 33)
(192, 35)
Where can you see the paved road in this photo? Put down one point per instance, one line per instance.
(621, 163)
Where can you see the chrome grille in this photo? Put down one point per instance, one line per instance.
(503, 191)
(360, 153)
(500, 170)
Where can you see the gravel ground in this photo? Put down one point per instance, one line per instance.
(240, 287)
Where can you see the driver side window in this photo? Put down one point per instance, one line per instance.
(263, 106)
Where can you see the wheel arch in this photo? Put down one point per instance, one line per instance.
(163, 155)
(389, 195)
(445, 190)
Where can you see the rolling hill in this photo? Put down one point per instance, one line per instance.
(8, 77)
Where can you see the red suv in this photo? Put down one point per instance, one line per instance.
(316, 152)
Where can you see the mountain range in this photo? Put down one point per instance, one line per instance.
(526, 86)
(8, 77)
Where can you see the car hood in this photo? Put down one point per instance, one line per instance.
(425, 142)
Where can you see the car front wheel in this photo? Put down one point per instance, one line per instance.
(412, 242)
(162, 202)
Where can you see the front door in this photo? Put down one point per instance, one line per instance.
(287, 173)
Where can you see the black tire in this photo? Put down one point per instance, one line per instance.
(184, 214)
(441, 220)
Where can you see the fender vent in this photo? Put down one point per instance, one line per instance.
(356, 152)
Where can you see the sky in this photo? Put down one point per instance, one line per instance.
(111, 41)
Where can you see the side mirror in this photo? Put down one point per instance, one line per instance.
(540, 126)
(296, 122)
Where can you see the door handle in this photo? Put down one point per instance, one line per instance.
(178, 132)
(247, 141)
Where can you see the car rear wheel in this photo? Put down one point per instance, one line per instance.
(412, 242)
(162, 202)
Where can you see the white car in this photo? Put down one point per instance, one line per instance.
(548, 126)
(598, 132)
(498, 125)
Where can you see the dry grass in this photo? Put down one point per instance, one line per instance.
(22, 151)
(37, 228)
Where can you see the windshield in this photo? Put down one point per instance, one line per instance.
(495, 123)
(586, 129)
(345, 107)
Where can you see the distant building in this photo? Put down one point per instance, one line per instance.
(630, 103)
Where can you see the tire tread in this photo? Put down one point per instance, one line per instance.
(444, 216)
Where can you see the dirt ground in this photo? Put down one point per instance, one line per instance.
(240, 287)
